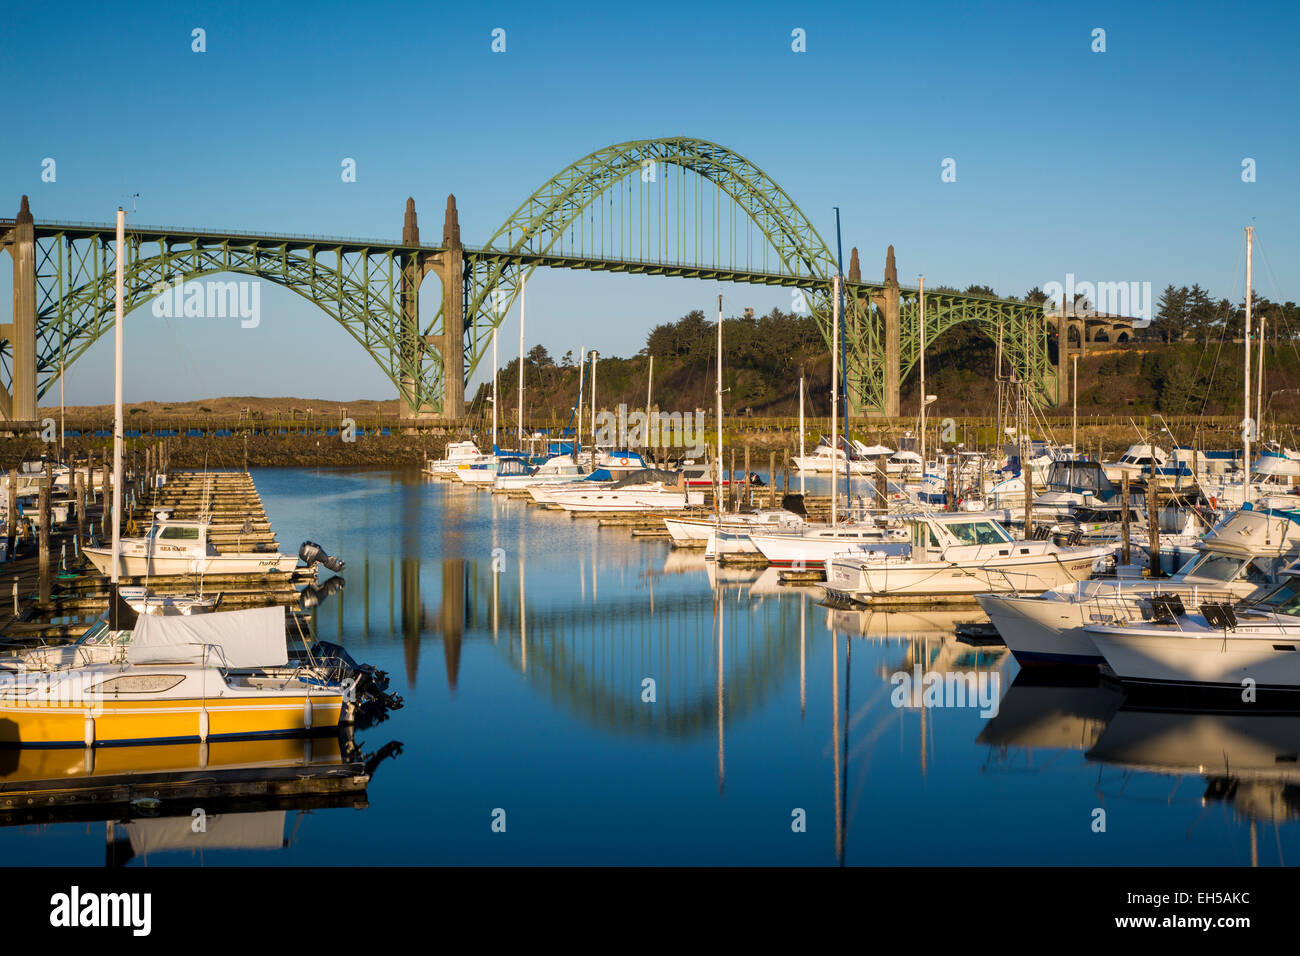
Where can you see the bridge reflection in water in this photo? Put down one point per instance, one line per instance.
(585, 627)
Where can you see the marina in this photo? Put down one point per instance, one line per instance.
(407, 482)
(511, 673)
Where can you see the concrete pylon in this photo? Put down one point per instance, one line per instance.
(412, 348)
(855, 376)
(888, 304)
(450, 267)
(22, 338)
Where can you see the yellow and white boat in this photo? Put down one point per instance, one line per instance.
(202, 677)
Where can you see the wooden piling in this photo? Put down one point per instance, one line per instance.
(749, 494)
(771, 480)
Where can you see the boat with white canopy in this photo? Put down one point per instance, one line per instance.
(167, 678)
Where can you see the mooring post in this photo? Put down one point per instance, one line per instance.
(881, 483)
(749, 494)
(771, 486)
(731, 481)
(950, 488)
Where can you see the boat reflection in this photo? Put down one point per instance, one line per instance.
(1045, 710)
(1249, 761)
(186, 797)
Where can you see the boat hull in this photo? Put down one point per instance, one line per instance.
(117, 722)
(1043, 632)
(139, 565)
(922, 579)
(1203, 658)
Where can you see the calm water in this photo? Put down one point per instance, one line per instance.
(524, 694)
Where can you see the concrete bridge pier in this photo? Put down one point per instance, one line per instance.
(20, 404)
(888, 304)
(449, 266)
(412, 350)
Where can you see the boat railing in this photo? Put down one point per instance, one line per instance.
(1124, 606)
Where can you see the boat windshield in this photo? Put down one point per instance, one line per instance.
(1213, 567)
(99, 634)
(979, 532)
(1285, 598)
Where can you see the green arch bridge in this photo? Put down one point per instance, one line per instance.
(677, 207)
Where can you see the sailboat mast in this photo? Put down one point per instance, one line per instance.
(835, 393)
(593, 408)
(921, 358)
(494, 391)
(1259, 392)
(1247, 426)
(519, 423)
(119, 303)
(801, 431)
(842, 385)
(717, 465)
(582, 374)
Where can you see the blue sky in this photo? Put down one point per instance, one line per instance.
(1115, 166)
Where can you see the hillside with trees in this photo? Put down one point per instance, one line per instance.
(1186, 362)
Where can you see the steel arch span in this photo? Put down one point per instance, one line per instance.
(556, 226)
(676, 206)
(548, 228)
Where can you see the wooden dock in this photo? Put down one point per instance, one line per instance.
(53, 606)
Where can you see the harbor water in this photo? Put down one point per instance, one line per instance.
(575, 694)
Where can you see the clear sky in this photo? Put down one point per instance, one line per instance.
(1117, 166)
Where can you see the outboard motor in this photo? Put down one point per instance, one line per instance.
(313, 594)
(312, 553)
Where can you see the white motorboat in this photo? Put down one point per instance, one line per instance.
(560, 469)
(620, 463)
(1214, 647)
(645, 490)
(1149, 462)
(1074, 483)
(827, 459)
(457, 453)
(699, 532)
(809, 549)
(1274, 476)
(182, 547)
(544, 493)
(906, 463)
(1243, 553)
(959, 554)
